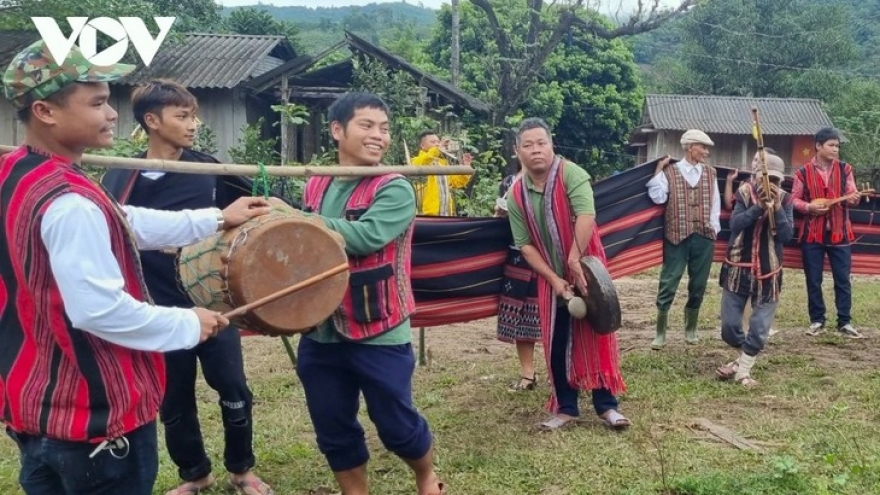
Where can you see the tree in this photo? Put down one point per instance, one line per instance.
(203, 15)
(250, 20)
(856, 110)
(588, 88)
(783, 48)
(523, 48)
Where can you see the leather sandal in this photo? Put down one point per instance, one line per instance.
(615, 420)
(256, 485)
(728, 371)
(530, 384)
(190, 488)
(556, 423)
(747, 381)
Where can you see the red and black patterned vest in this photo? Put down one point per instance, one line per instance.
(379, 296)
(836, 221)
(55, 380)
(689, 209)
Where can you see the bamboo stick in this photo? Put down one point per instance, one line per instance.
(253, 170)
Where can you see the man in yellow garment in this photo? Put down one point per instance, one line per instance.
(434, 196)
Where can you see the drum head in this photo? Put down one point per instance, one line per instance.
(279, 254)
(603, 308)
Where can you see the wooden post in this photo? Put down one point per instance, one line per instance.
(285, 139)
(456, 45)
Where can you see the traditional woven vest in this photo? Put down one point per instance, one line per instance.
(688, 209)
(753, 264)
(55, 380)
(836, 221)
(379, 296)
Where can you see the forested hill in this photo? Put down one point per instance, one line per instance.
(323, 26)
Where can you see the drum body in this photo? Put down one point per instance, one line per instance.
(260, 257)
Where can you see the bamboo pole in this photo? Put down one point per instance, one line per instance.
(253, 170)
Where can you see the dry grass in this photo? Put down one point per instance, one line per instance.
(816, 415)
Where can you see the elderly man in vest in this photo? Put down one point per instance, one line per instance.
(693, 206)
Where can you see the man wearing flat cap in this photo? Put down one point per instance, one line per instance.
(693, 206)
(752, 268)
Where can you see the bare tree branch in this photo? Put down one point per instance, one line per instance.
(641, 21)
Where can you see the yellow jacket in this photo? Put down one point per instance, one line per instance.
(434, 196)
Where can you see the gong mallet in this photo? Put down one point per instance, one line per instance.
(286, 291)
(577, 307)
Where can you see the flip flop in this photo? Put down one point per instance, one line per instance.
(615, 420)
(255, 484)
(189, 488)
(556, 423)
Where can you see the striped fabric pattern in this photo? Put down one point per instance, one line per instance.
(458, 263)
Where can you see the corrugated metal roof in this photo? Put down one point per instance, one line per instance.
(733, 115)
(215, 60)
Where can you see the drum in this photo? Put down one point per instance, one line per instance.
(260, 257)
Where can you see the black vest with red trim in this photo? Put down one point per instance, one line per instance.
(55, 380)
(379, 297)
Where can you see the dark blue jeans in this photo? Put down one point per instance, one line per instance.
(566, 395)
(840, 259)
(333, 377)
(57, 467)
(223, 369)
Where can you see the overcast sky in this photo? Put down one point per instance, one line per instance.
(427, 3)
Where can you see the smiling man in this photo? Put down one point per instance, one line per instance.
(365, 346)
(167, 111)
(693, 207)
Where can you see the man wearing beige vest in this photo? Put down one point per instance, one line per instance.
(693, 206)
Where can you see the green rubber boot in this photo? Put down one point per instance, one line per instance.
(691, 316)
(660, 339)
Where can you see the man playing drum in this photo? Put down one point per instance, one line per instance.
(81, 369)
(553, 220)
(364, 347)
(167, 113)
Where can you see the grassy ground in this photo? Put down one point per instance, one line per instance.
(815, 415)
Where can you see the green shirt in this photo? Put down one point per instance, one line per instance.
(580, 196)
(392, 211)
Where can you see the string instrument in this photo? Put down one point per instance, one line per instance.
(762, 153)
(829, 202)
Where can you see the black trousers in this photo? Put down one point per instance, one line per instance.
(223, 369)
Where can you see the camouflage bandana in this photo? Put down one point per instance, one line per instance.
(35, 72)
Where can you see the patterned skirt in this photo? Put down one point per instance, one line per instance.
(518, 319)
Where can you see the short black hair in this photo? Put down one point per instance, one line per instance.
(429, 132)
(826, 134)
(770, 151)
(342, 110)
(58, 98)
(532, 123)
(158, 94)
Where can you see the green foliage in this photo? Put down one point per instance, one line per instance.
(410, 118)
(384, 23)
(856, 111)
(201, 15)
(252, 148)
(589, 89)
(250, 20)
(782, 48)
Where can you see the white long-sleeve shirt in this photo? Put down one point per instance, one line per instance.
(658, 190)
(77, 238)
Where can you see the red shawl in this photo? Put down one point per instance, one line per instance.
(592, 360)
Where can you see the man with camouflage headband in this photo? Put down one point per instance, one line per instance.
(81, 369)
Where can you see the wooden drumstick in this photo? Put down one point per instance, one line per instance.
(287, 291)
